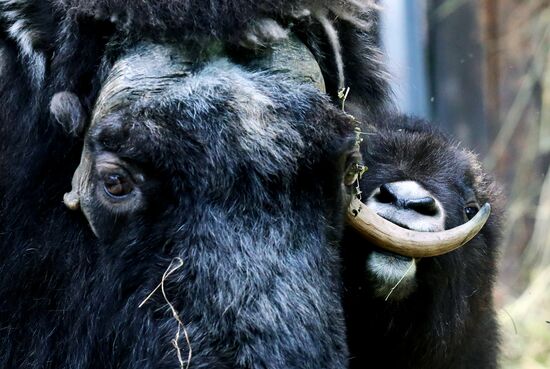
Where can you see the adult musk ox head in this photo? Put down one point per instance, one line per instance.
(210, 181)
(235, 176)
(431, 312)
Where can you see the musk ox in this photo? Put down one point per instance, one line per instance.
(432, 312)
(209, 182)
(208, 166)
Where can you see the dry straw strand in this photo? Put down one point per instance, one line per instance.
(401, 279)
(181, 327)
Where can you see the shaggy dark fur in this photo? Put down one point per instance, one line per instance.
(237, 173)
(448, 321)
(241, 207)
(64, 39)
(236, 196)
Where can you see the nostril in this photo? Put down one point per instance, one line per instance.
(385, 195)
(424, 205)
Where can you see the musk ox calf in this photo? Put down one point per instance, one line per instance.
(434, 312)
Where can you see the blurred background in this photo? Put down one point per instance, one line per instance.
(481, 70)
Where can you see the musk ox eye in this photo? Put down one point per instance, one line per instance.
(471, 210)
(117, 185)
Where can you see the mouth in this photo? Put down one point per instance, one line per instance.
(394, 221)
(392, 276)
(391, 254)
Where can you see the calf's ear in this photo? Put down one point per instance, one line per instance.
(67, 110)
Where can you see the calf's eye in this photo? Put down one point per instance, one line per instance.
(117, 185)
(471, 210)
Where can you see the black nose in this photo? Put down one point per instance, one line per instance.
(386, 194)
(403, 197)
(424, 205)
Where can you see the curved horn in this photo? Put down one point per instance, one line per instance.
(398, 240)
(147, 69)
(295, 59)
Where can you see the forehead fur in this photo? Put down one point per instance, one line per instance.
(142, 73)
(417, 154)
(214, 116)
